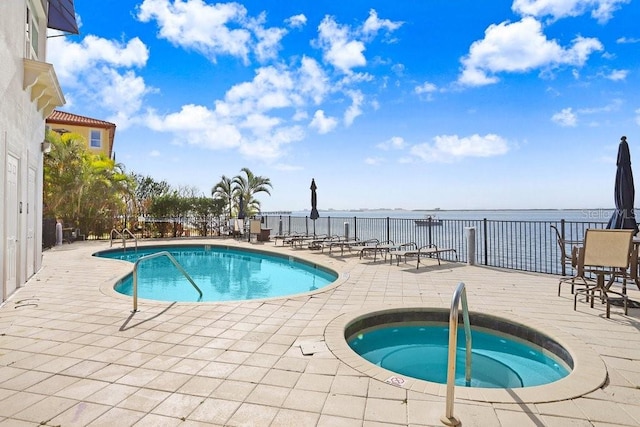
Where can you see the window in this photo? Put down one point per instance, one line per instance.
(31, 27)
(96, 139)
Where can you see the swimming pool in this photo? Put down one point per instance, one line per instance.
(421, 351)
(223, 273)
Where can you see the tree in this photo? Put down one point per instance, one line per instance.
(223, 190)
(87, 191)
(248, 186)
(146, 189)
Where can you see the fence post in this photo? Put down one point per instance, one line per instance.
(486, 241)
(470, 232)
(562, 237)
(346, 230)
(388, 229)
(355, 227)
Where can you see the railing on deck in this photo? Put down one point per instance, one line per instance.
(518, 245)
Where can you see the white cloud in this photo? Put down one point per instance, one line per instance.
(426, 87)
(373, 25)
(626, 40)
(258, 118)
(297, 21)
(519, 47)
(612, 106)
(339, 50)
(343, 47)
(312, 80)
(638, 116)
(354, 109)
(268, 39)
(447, 148)
(72, 59)
(154, 153)
(426, 90)
(322, 123)
(565, 118)
(212, 29)
(100, 72)
(601, 10)
(617, 75)
(373, 161)
(393, 143)
(122, 94)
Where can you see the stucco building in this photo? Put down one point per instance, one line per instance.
(97, 133)
(29, 92)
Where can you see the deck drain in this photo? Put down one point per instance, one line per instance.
(310, 348)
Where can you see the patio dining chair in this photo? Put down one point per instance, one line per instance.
(605, 253)
(569, 260)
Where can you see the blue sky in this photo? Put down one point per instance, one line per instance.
(407, 104)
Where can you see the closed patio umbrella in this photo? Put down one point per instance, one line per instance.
(624, 217)
(314, 201)
(241, 208)
(314, 205)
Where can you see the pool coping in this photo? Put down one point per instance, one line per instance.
(589, 372)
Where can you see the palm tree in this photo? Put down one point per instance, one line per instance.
(248, 186)
(224, 190)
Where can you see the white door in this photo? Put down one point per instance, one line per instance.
(31, 223)
(11, 227)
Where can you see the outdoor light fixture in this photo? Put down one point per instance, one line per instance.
(45, 147)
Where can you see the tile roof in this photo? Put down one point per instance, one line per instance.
(69, 118)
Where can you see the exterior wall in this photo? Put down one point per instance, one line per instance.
(21, 133)
(85, 131)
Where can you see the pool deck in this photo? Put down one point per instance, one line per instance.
(73, 354)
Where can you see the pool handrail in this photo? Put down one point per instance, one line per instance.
(459, 294)
(123, 237)
(156, 255)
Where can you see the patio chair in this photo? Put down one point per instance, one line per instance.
(605, 253)
(569, 260)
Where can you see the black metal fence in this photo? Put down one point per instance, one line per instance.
(518, 245)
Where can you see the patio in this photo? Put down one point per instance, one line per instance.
(73, 354)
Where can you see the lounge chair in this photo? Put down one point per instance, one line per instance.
(431, 250)
(321, 243)
(422, 252)
(606, 253)
(283, 237)
(300, 241)
(350, 244)
(382, 248)
(403, 250)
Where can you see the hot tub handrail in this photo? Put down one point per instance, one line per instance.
(459, 294)
(155, 255)
(123, 237)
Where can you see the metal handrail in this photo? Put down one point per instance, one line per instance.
(123, 237)
(460, 293)
(111, 236)
(156, 255)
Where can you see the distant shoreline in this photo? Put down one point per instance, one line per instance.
(455, 210)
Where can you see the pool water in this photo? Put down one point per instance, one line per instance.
(421, 351)
(222, 273)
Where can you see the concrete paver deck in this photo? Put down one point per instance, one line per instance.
(73, 354)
